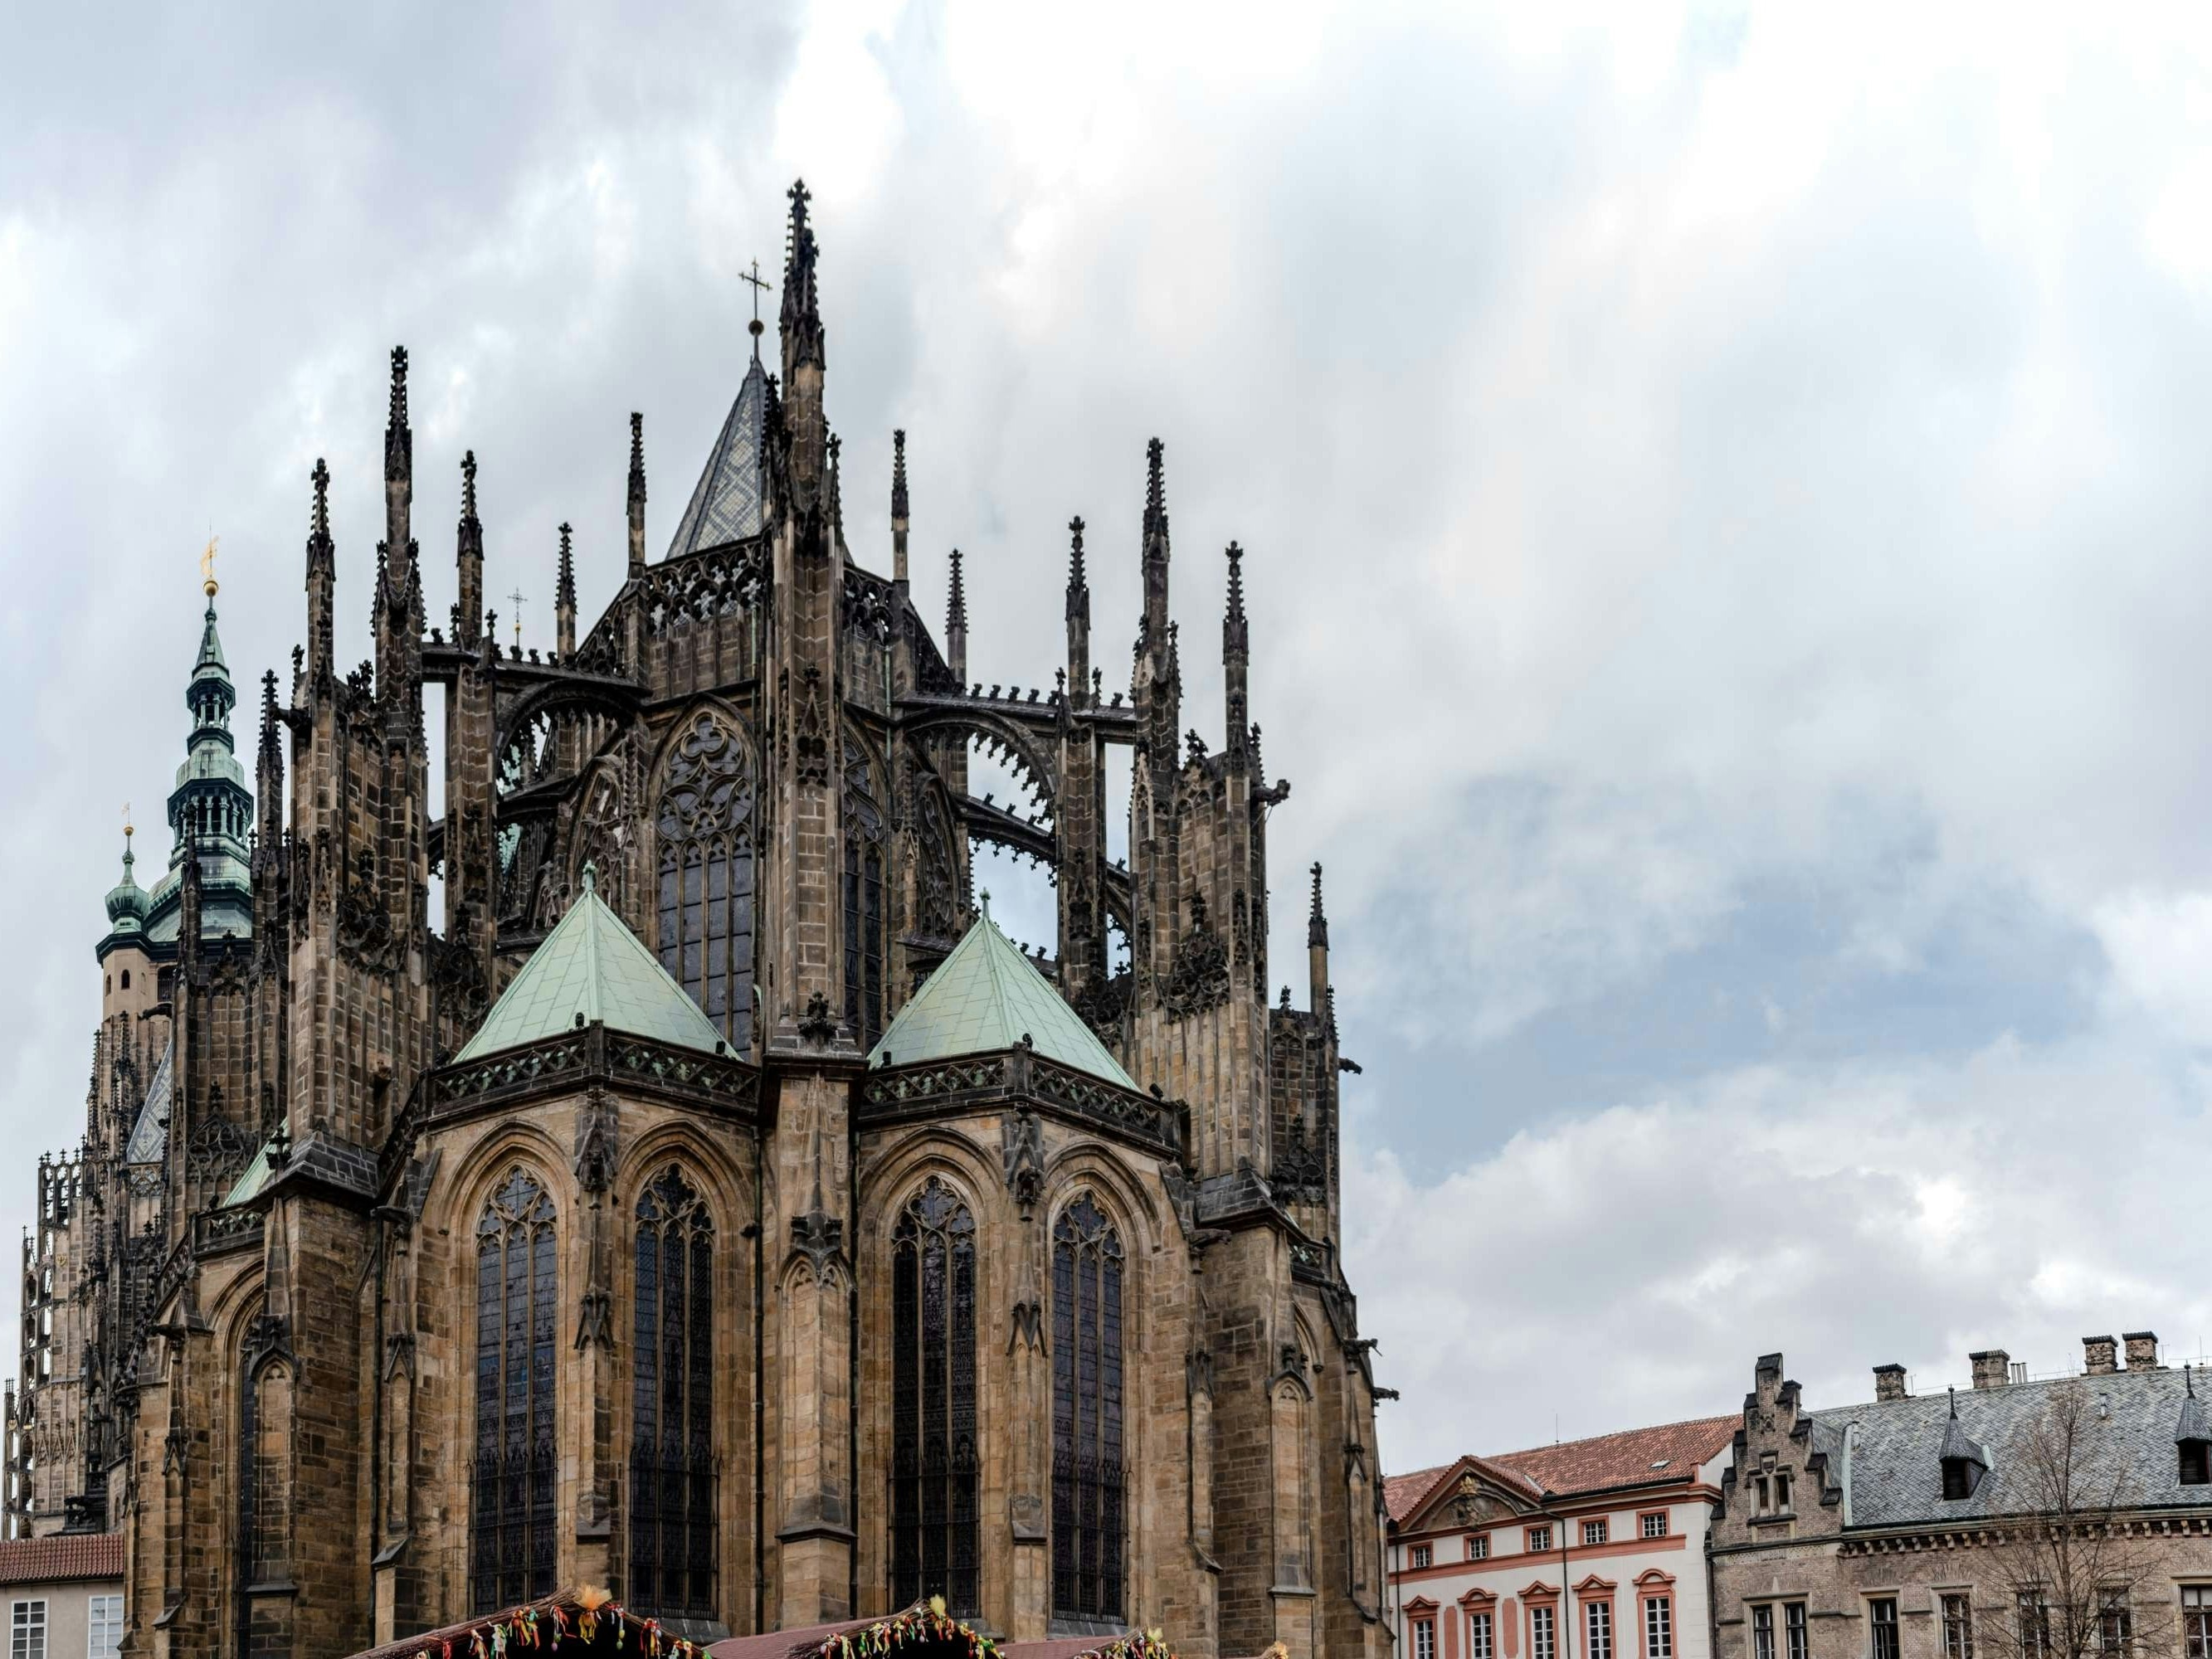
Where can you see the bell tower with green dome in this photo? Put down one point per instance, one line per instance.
(210, 809)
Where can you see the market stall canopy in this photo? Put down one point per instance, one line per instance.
(579, 1621)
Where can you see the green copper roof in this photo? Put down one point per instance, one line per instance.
(591, 968)
(987, 995)
(251, 1179)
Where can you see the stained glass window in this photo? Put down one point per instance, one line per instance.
(1086, 1414)
(705, 827)
(935, 1538)
(864, 936)
(511, 1499)
(672, 1454)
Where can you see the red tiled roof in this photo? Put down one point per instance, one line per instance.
(71, 1555)
(1575, 1466)
(1625, 1459)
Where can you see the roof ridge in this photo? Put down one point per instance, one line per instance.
(1614, 1434)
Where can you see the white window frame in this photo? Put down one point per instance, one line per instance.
(1655, 1524)
(1477, 1546)
(1425, 1637)
(26, 1629)
(103, 1615)
(1539, 1541)
(1421, 1555)
(1595, 1532)
(1597, 1628)
(1543, 1632)
(1658, 1628)
(1481, 1634)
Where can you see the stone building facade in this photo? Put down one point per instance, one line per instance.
(1585, 1549)
(701, 1198)
(1891, 1529)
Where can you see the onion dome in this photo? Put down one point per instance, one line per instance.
(126, 900)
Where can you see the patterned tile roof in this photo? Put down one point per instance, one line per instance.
(63, 1556)
(731, 495)
(1574, 1467)
(591, 968)
(1671, 1451)
(986, 995)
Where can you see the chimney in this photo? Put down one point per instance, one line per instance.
(1992, 1368)
(1889, 1382)
(2143, 1349)
(2098, 1355)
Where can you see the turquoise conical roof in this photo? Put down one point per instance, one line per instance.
(986, 995)
(591, 969)
(126, 900)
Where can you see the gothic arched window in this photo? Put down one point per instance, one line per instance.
(511, 1499)
(671, 1456)
(934, 1532)
(865, 935)
(1086, 1414)
(706, 874)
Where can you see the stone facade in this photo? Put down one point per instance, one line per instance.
(265, 1322)
(1841, 1534)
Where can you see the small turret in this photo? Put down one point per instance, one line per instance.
(126, 901)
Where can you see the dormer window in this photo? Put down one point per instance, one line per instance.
(2192, 1434)
(1963, 1460)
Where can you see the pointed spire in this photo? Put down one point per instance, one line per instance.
(1317, 921)
(269, 748)
(956, 625)
(318, 517)
(469, 487)
(636, 492)
(468, 560)
(1235, 637)
(802, 314)
(398, 437)
(1078, 580)
(1156, 494)
(899, 506)
(836, 488)
(564, 598)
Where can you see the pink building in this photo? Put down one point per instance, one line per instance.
(1482, 1550)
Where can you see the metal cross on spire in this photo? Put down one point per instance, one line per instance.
(207, 566)
(760, 285)
(518, 596)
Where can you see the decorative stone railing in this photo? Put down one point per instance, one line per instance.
(1020, 1077)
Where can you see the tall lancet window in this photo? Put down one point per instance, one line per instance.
(1086, 1414)
(672, 1451)
(864, 897)
(705, 825)
(511, 1499)
(934, 1533)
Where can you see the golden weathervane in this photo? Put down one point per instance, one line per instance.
(207, 566)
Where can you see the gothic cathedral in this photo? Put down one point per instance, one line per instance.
(709, 1201)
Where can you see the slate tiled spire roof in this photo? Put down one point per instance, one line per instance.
(1958, 1445)
(2192, 1424)
(730, 500)
(149, 1136)
(591, 966)
(985, 996)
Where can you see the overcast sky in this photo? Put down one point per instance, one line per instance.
(1727, 506)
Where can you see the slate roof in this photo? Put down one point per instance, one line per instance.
(985, 996)
(1889, 1452)
(149, 1136)
(731, 498)
(591, 966)
(63, 1555)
